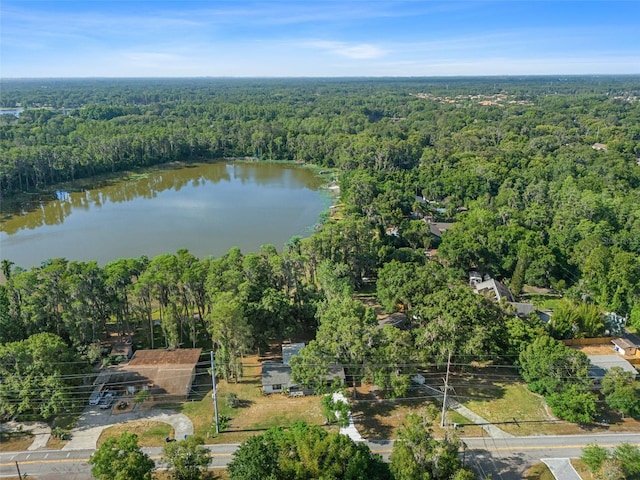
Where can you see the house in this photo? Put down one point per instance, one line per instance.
(494, 289)
(438, 228)
(167, 374)
(601, 364)
(276, 378)
(624, 346)
(474, 278)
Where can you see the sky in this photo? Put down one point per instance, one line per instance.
(317, 38)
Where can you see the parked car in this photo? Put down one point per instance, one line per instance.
(106, 402)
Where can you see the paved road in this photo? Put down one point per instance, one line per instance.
(504, 458)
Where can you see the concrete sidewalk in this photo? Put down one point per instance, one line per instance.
(561, 468)
(41, 432)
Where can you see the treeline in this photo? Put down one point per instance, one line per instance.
(73, 129)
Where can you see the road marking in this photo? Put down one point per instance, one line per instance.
(68, 454)
(72, 460)
(46, 456)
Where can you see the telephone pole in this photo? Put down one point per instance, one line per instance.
(214, 395)
(446, 389)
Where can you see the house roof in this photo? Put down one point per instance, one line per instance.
(290, 350)
(600, 364)
(179, 356)
(438, 228)
(523, 309)
(623, 343)
(168, 372)
(275, 373)
(335, 371)
(497, 288)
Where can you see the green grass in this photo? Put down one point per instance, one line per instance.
(539, 471)
(150, 433)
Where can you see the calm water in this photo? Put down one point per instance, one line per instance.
(207, 208)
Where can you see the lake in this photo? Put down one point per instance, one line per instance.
(207, 208)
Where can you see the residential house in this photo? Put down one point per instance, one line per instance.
(276, 376)
(167, 374)
(601, 364)
(624, 346)
(493, 289)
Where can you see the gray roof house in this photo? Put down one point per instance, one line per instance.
(494, 289)
(600, 364)
(276, 378)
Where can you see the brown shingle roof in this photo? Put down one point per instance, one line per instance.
(180, 356)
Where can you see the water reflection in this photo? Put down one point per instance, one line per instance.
(219, 199)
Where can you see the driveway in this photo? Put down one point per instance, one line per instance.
(93, 421)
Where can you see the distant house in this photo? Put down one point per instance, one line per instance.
(494, 289)
(438, 228)
(601, 364)
(624, 346)
(474, 278)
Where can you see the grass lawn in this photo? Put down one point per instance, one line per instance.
(516, 410)
(582, 469)
(256, 412)
(539, 471)
(15, 441)
(150, 433)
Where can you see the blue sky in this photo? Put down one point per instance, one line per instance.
(301, 38)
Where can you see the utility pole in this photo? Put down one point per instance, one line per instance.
(19, 474)
(214, 395)
(446, 389)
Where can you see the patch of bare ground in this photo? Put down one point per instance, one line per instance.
(15, 442)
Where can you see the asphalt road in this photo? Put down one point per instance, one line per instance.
(505, 459)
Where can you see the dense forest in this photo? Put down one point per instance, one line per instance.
(540, 178)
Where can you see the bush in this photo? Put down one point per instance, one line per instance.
(232, 400)
(593, 456)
